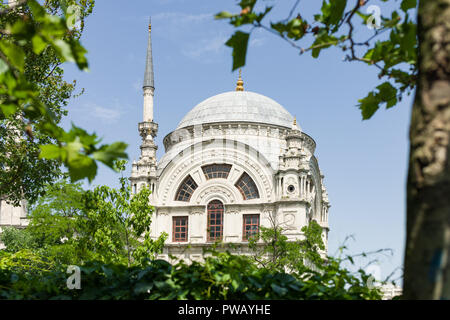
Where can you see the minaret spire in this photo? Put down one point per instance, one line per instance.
(148, 76)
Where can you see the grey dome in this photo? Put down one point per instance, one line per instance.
(238, 106)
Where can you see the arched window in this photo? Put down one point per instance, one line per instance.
(215, 221)
(247, 187)
(186, 189)
(213, 171)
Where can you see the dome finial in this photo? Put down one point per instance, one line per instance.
(294, 124)
(240, 83)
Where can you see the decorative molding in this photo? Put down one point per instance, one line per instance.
(199, 211)
(289, 218)
(222, 129)
(215, 191)
(232, 211)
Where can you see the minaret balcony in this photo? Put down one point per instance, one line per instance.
(148, 128)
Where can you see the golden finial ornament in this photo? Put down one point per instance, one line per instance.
(150, 27)
(240, 83)
(294, 125)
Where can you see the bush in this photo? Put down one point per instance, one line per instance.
(221, 276)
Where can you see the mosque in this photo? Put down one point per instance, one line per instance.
(236, 161)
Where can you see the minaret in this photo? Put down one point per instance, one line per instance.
(149, 83)
(144, 170)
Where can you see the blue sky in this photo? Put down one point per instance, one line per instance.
(364, 162)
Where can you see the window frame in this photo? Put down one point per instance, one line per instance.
(244, 224)
(222, 171)
(189, 186)
(251, 187)
(174, 226)
(209, 212)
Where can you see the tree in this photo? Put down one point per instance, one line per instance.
(53, 216)
(427, 267)
(52, 225)
(69, 225)
(24, 174)
(273, 250)
(413, 56)
(35, 40)
(115, 226)
(306, 259)
(16, 239)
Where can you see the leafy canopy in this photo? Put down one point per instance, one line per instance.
(70, 225)
(390, 47)
(29, 103)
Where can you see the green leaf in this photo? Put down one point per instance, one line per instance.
(279, 290)
(408, 4)
(37, 9)
(14, 53)
(239, 43)
(8, 109)
(73, 149)
(337, 10)
(322, 41)
(369, 105)
(223, 15)
(388, 94)
(82, 167)
(50, 151)
(79, 53)
(109, 153)
(64, 50)
(38, 44)
(331, 12)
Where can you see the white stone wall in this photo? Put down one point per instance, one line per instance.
(292, 217)
(12, 216)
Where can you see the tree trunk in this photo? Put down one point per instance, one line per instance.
(427, 261)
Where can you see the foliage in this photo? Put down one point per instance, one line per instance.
(35, 40)
(274, 251)
(61, 198)
(27, 274)
(116, 224)
(220, 276)
(395, 56)
(70, 225)
(306, 259)
(53, 217)
(51, 221)
(16, 239)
